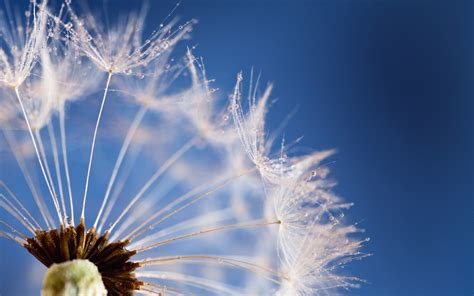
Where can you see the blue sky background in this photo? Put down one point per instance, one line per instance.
(390, 85)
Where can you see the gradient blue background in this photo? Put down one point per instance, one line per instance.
(390, 85)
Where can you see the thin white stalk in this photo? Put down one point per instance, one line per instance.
(266, 272)
(123, 151)
(193, 281)
(208, 231)
(62, 128)
(29, 181)
(15, 213)
(57, 167)
(117, 190)
(15, 198)
(208, 190)
(19, 241)
(215, 217)
(37, 152)
(13, 229)
(153, 179)
(156, 289)
(142, 211)
(86, 187)
(37, 134)
(140, 229)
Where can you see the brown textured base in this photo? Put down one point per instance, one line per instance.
(69, 243)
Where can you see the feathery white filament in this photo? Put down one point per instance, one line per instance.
(123, 151)
(55, 201)
(62, 128)
(91, 155)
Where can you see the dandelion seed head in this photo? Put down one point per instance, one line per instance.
(183, 191)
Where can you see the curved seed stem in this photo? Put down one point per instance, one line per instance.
(86, 187)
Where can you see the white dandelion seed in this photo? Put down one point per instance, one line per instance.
(20, 45)
(121, 49)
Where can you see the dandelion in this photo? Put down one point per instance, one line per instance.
(187, 194)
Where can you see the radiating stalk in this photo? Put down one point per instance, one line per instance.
(37, 134)
(62, 127)
(57, 167)
(118, 163)
(12, 143)
(138, 231)
(86, 187)
(268, 273)
(38, 154)
(256, 224)
(15, 198)
(153, 179)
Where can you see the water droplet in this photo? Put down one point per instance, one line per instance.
(68, 26)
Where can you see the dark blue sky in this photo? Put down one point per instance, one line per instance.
(390, 85)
